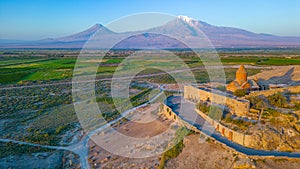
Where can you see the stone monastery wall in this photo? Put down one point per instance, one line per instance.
(292, 89)
(234, 136)
(236, 106)
(167, 111)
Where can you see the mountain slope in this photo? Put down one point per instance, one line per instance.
(182, 28)
(85, 35)
(188, 28)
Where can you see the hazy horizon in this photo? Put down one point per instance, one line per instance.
(33, 20)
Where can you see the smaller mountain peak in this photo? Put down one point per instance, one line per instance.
(94, 28)
(97, 25)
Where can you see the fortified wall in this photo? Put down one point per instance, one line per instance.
(240, 138)
(237, 106)
(234, 136)
(292, 89)
(167, 111)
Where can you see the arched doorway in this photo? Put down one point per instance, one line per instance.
(208, 99)
(223, 131)
(230, 135)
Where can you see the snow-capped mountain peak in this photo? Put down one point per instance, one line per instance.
(187, 19)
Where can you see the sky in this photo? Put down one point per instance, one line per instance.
(39, 19)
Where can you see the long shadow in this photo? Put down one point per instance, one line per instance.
(287, 77)
(175, 102)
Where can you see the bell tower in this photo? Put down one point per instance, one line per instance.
(241, 75)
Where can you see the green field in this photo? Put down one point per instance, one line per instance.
(38, 69)
(31, 69)
(265, 61)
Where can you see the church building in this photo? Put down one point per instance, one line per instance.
(241, 81)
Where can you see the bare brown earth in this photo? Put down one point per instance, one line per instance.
(142, 130)
(209, 155)
(143, 123)
(201, 155)
(100, 158)
(278, 163)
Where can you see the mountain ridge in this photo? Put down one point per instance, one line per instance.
(182, 28)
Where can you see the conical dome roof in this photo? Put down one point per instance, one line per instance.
(241, 75)
(241, 69)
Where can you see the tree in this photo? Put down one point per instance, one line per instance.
(261, 104)
(277, 99)
(215, 112)
(252, 100)
(240, 92)
(228, 118)
(202, 107)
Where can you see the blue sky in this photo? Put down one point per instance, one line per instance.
(37, 19)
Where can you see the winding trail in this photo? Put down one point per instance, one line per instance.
(33, 144)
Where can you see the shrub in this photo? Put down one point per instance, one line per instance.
(59, 129)
(221, 88)
(297, 106)
(208, 139)
(277, 99)
(240, 92)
